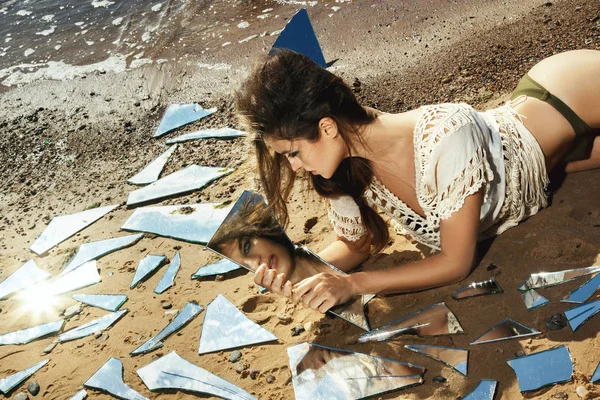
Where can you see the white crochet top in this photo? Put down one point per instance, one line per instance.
(458, 152)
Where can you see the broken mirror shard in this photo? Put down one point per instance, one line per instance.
(584, 292)
(452, 357)
(577, 316)
(533, 299)
(94, 326)
(63, 227)
(218, 268)
(109, 378)
(226, 327)
(189, 312)
(147, 266)
(299, 36)
(504, 330)
(485, 390)
(169, 277)
(173, 372)
(10, 382)
(221, 133)
(543, 368)
(108, 302)
(545, 279)
(94, 250)
(178, 115)
(477, 289)
(28, 275)
(324, 373)
(152, 171)
(251, 227)
(191, 223)
(434, 320)
(83, 276)
(596, 375)
(183, 181)
(25, 336)
(81, 395)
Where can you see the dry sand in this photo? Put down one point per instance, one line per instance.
(70, 145)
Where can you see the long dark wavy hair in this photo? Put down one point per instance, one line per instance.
(285, 97)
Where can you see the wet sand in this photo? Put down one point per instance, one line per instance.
(69, 145)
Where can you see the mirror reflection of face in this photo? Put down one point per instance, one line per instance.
(252, 252)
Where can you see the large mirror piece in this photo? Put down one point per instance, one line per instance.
(218, 268)
(545, 279)
(226, 327)
(250, 236)
(533, 299)
(27, 275)
(146, 267)
(543, 368)
(189, 311)
(173, 372)
(584, 292)
(485, 390)
(94, 326)
(434, 320)
(477, 289)
(10, 382)
(220, 133)
(455, 358)
(178, 115)
(169, 277)
(152, 171)
(507, 329)
(579, 315)
(194, 223)
(109, 378)
(27, 335)
(323, 373)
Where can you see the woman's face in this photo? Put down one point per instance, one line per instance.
(252, 252)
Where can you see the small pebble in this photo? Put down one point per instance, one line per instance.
(324, 326)
(72, 311)
(298, 329)
(439, 379)
(309, 326)
(241, 367)
(270, 378)
(561, 395)
(33, 388)
(235, 356)
(21, 396)
(166, 305)
(556, 322)
(102, 337)
(254, 373)
(491, 267)
(219, 278)
(581, 391)
(50, 347)
(284, 318)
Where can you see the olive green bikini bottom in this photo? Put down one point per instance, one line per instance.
(584, 134)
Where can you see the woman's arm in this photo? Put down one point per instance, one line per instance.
(458, 244)
(345, 255)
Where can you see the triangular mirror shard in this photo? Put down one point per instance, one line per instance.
(596, 375)
(81, 395)
(27, 275)
(299, 36)
(455, 358)
(584, 292)
(109, 378)
(433, 320)
(533, 299)
(543, 368)
(189, 312)
(94, 250)
(152, 171)
(147, 266)
(194, 223)
(485, 390)
(108, 302)
(323, 373)
(169, 277)
(218, 268)
(226, 327)
(545, 279)
(504, 330)
(27, 335)
(10, 382)
(477, 289)
(65, 226)
(183, 181)
(94, 326)
(83, 276)
(221, 133)
(173, 372)
(178, 115)
(577, 316)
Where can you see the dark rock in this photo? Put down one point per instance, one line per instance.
(270, 378)
(439, 379)
(254, 373)
(491, 267)
(33, 388)
(235, 356)
(310, 223)
(298, 329)
(556, 322)
(166, 305)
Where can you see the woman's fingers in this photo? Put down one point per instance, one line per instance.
(259, 275)
(301, 289)
(277, 285)
(287, 289)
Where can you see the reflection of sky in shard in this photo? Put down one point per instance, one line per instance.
(178, 115)
(221, 133)
(545, 279)
(109, 378)
(477, 289)
(584, 292)
(108, 302)
(533, 299)
(506, 329)
(96, 325)
(27, 335)
(8, 383)
(147, 266)
(543, 368)
(169, 277)
(485, 390)
(220, 267)
(28, 274)
(152, 171)
(81, 395)
(579, 315)
(452, 357)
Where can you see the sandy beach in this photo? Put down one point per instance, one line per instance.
(69, 145)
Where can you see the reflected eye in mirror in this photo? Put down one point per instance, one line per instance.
(245, 245)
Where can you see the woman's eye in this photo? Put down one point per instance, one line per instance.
(293, 154)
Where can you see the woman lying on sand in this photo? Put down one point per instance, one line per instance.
(445, 174)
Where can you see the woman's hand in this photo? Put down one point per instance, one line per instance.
(323, 291)
(271, 280)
